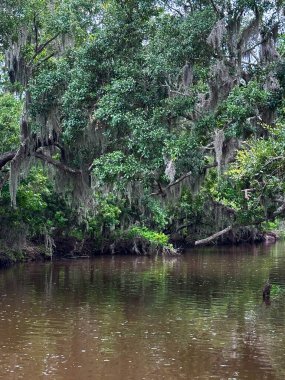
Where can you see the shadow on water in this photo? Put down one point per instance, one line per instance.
(197, 316)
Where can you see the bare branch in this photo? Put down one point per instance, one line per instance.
(210, 146)
(213, 237)
(178, 180)
(247, 192)
(91, 167)
(5, 158)
(57, 164)
(44, 45)
(36, 33)
(174, 9)
(216, 9)
(183, 226)
(179, 92)
(252, 47)
(279, 210)
(249, 63)
(272, 159)
(45, 59)
(163, 190)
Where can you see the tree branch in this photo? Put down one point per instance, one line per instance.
(44, 45)
(36, 33)
(247, 192)
(213, 237)
(45, 59)
(162, 190)
(272, 159)
(37, 144)
(5, 158)
(207, 240)
(229, 209)
(183, 226)
(178, 180)
(216, 9)
(252, 47)
(173, 9)
(57, 164)
(279, 210)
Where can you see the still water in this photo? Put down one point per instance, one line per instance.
(197, 316)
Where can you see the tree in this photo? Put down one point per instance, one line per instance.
(144, 99)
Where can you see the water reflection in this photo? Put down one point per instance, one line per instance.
(198, 316)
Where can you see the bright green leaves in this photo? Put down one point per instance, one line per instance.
(109, 76)
(188, 210)
(107, 216)
(118, 100)
(32, 201)
(156, 238)
(74, 17)
(114, 166)
(242, 104)
(260, 157)
(158, 211)
(174, 40)
(109, 213)
(254, 184)
(10, 110)
(48, 87)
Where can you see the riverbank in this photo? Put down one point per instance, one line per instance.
(68, 247)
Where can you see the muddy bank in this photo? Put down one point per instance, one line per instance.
(67, 247)
(72, 248)
(30, 252)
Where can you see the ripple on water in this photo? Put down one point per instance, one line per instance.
(123, 318)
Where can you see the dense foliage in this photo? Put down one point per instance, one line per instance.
(150, 116)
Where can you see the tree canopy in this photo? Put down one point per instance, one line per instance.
(123, 116)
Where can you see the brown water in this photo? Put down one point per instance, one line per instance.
(198, 316)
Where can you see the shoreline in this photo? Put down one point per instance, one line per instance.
(68, 248)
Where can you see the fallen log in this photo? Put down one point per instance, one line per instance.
(213, 237)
